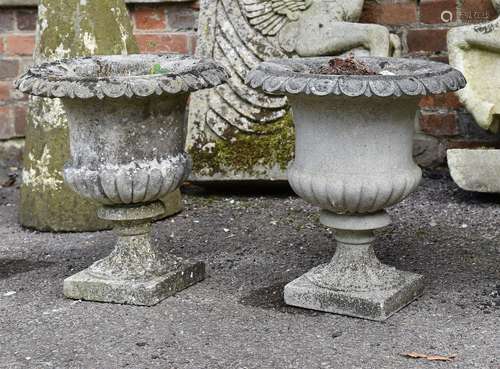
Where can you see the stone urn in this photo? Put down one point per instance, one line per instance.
(127, 129)
(353, 159)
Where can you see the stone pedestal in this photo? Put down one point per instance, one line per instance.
(138, 271)
(127, 135)
(355, 282)
(353, 159)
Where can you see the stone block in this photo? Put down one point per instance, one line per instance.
(148, 292)
(374, 304)
(475, 169)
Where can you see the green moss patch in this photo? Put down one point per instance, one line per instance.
(272, 144)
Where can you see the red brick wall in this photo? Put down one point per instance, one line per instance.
(422, 26)
(17, 40)
(159, 28)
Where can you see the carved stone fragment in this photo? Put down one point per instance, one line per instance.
(475, 51)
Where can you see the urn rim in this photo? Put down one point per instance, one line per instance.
(117, 76)
(394, 77)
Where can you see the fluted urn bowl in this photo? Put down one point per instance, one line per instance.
(127, 129)
(353, 158)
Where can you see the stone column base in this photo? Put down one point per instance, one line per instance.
(87, 286)
(374, 305)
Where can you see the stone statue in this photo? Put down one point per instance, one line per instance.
(67, 28)
(236, 132)
(475, 51)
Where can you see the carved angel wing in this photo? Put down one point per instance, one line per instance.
(269, 16)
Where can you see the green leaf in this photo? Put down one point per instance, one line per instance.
(157, 69)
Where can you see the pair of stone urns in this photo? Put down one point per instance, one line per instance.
(353, 158)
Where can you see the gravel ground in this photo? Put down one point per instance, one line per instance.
(253, 245)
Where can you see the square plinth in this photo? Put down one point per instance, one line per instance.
(87, 286)
(374, 305)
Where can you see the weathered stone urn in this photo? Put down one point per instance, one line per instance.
(353, 158)
(127, 128)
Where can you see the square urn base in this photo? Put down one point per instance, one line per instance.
(373, 305)
(88, 286)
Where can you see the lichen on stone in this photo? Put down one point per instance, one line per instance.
(40, 173)
(71, 28)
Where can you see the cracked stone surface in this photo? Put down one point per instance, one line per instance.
(253, 245)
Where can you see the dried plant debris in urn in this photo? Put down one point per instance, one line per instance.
(345, 66)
